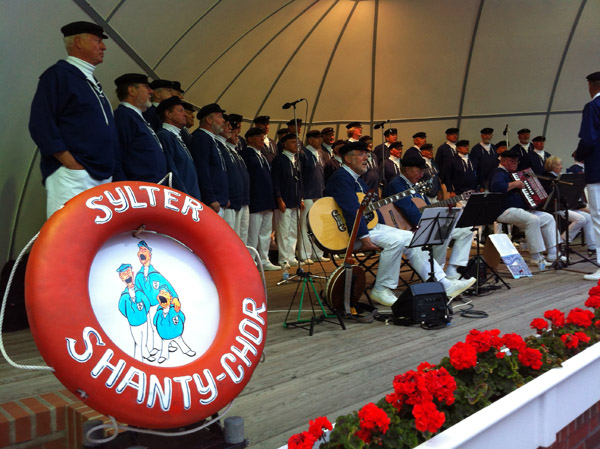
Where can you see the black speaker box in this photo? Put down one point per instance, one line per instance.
(424, 303)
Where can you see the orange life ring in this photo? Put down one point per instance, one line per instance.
(68, 319)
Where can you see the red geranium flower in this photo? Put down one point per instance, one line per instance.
(531, 357)
(484, 341)
(597, 323)
(593, 302)
(463, 356)
(595, 291)
(500, 355)
(580, 317)
(514, 342)
(428, 417)
(570, 341)
(317, 426)
(556, 317)
(582, 336)
(304, 440)
(539, 324)
(372, 417)
(364, 435)
(395, 399)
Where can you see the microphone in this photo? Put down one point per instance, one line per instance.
(381, 124)
(505, 130)
(292, 103)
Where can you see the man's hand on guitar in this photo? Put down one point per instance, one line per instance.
(368, 245)
(280, 205)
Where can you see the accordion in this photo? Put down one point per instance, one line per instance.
(533, 193)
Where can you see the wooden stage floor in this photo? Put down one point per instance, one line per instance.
(336, 371)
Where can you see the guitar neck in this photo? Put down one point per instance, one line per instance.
(446, 202)
(388, 200)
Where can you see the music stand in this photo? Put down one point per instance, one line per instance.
(482, 209)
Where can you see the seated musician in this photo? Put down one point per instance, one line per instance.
(579, 218)
(539, 227)
(392, 242)
(412, 171)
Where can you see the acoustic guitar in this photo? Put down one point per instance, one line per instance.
(346, 284)
(327, 223)
(393, 216)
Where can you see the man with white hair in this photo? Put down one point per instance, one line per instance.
(71, 119)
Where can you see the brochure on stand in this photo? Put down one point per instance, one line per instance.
(510, 256)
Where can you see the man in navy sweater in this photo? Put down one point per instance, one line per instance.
(71, 119)
(141, 157)
(588, 151)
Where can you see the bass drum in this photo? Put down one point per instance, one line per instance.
(334, 289)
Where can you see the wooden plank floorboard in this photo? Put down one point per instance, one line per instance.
(337, 371)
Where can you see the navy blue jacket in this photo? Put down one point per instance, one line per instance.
(458, 178)
(523, 156)
(588, 149)
(382, 152)
(261, 183)
(235, 181)
(499, 183)
(180, 163)
(211, 169)
(313, 175)
(287, 183)
(342, 187)
(485, 163)
(331, 167)
(575, 169)
(443, 153)
(141, 156)
(372, 177)
(152, 117)
(412, 151)
(409, 209)
(242, 172)
(68, 114)
(536, 163)
(391, 170)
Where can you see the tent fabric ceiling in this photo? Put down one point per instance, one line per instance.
(424, 65)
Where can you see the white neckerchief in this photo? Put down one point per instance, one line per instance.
(395, 160)
(290, 156)
(337, 158)
(208, 132)
(220, 138)
(133, 108)
(86, 68)
(352, 172)
(352, 139)
(486, 146)
(315, 153)
(451, 144)
(597, 95)
(172, 128)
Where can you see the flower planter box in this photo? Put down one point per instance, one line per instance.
(530, 416)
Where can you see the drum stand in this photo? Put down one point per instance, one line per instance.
(305, 323)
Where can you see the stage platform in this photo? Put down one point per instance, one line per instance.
(336, 371)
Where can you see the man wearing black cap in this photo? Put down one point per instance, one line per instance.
(161, 90)
(484, 158)
(210, 163)
(178, 156)
(460, 172)
(141, 157)
(328, 139)
(446, 150)
(382, 151)
(419, 139)
(539, 227)
(413, 169)
(237, 130)
(270, 149)
(523, 147)
(71, 120)
(242, 217)
(588, 151)
(335, 162)
(313, 182)
(354, 131)
(343, 186)
(537, 155)
(392, 162)
(262, 199)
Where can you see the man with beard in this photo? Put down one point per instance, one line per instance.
(326, 147)
(522, 148)
(141, 156)
(209, 161)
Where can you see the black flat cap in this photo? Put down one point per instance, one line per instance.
(328, 130)
(538, 139)
(351, 146)
(187, 106)
(74, 28)
(353, 125)
(209, 109)
(168, 104)
(161, 84)
(235, 120)
(390, 132)
(462, 143)
(262, 119)
(427, 146)
(365, 139)
(288, 137)
(502, 143)
(593, 77)
(420, 134)
(291, 122)
(177, 87)
(256, 131)
(282, 131)
(131, 78)
(487, 131)
(397, 144)
(524, 131)
(451, 131)
(314, 133)
(413, 161)
(513, 154)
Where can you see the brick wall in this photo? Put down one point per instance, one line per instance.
(583, 433)
(48, 421)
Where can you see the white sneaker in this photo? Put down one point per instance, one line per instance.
(593, 277)
(308, 261)
(268, 266)
(323, 259)
(457, 286)
(295, 263)
(384, 297)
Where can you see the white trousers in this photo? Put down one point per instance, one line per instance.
(229, 217)
(539, 228)
(242, 220)
(308, 249)
(260, 225)
(578, 220)
(393, 242)
(594, 204)
(460, 250)
(286, 224)
(140, 336)
(64, 184)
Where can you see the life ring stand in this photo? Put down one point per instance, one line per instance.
(59, 308)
